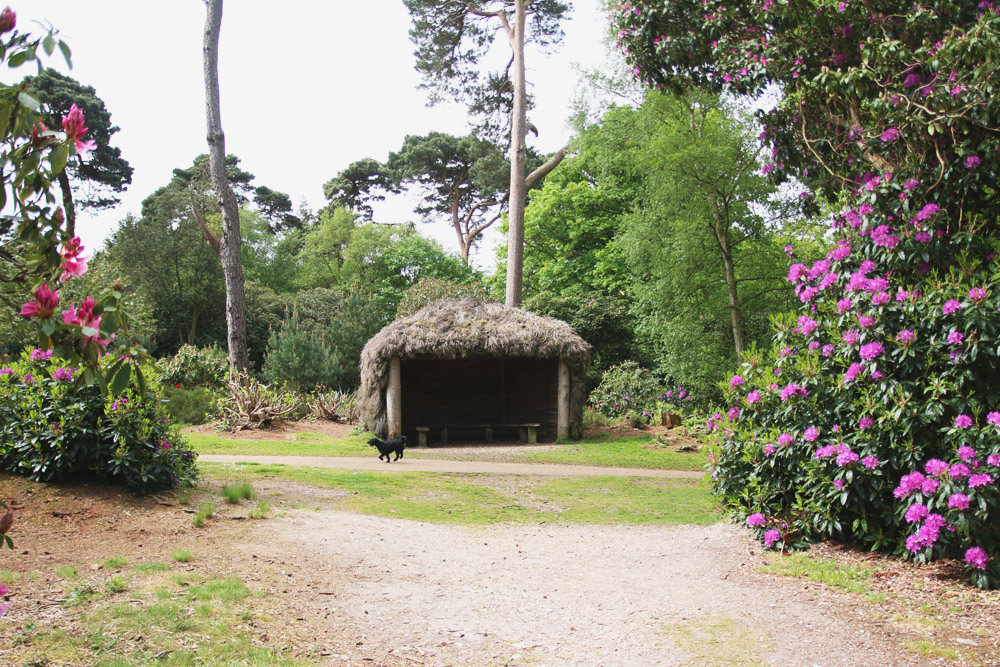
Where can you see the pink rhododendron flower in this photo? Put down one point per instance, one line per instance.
(811, 434)
(951, 306)
(972, 162)
(38, 354)
(936, 467)
(736, 381)
(977, 294)
(993, 418)
(846, 457)
(916, 513)
(844, 305)
(828, 349)
(866, 321)
(74, 127)
(976, 557)
(769, 449)
(8, 21)
(905, 336)
(870, 462)
(838, 484)
(771, 537)
(928, 211)
(756, 519)
(908, 484)
(966, 453)
(865, 422)
(62, 374)
(963, 421)
(753, 397)
(785, 439)
(851, 337)
(871, 351)
(891, 134)
(958, 470)
(733, 413)
(958, 501)
(44, 305)
(981, 479)
(853, 371)
(956, 338)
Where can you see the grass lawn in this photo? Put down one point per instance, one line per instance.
(478, 499)
(632, 452)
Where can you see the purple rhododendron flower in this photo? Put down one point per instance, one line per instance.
(828, 349)
(992, 418)
(753, 397)
(951, 306)
(853, 371)
(62, 374)
(972, 162)
(870, 462)
(880, 298)
(736, 381)
(851, 337)
(908, 484)
(936, 467)
(905, 336)
(891, 134)
(977, 294)
(956, 338)
(966, 453)
(917, 513)
(844, 305)
(756, 519)
(826, 451)
(838, 484)
(807, 324)
(771, 537)
(930, 486)
(871, 351)
(963, 421)
(866, 321)
(958, 501)
(865, 422)
(928, 211)
(769, 449)
(959, 470)
(846, 457)
(993, 459)
(785, 439)
(976, 557)
(982, 479)
(811, 434)
(733, 413)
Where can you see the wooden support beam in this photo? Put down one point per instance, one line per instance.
(394, 400)
(562, 415)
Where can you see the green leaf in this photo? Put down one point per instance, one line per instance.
(28, 101)
(120, 380)
(49, 44)
(58, 157)
(18, 58)
(66, 53)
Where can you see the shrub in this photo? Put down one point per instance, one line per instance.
(247, 403)
(336, 406)
(188, 406)
(195, 367)
(300, 356)
(626, 388)
(53, 429)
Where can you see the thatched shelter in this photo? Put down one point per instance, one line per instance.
(468, 370)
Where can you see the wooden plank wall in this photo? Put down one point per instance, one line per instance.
(480, 391)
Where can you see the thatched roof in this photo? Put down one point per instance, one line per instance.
(464, 329)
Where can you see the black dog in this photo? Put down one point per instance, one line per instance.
(386, 447)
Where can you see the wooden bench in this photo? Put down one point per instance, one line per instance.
(528, 432)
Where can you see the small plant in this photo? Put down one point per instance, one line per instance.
(336, 406)
(188, 405)
(237, 491)
(67, 572)
(261, 511)
(205, 511)
(116, 584)
(80, 594)
(633, 419)
(247, 403)
(183, 496)
(181, 555)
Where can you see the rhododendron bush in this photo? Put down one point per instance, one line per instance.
(876, 416)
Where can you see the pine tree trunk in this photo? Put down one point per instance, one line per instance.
(229, 251)
(518, 153)
(68, 209)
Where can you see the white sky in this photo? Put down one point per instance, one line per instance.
(307, 88)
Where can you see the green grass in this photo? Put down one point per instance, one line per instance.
(168, 622)
(261, 511)
(636, 452)
(181, 555)
(205, 511)
(304, 444)
(473, 500)
(115, 562)
(151, 567)
(718, 640)
(116, 584)
(67, 572)
(932, 649)
(234, 492)
(798, 564)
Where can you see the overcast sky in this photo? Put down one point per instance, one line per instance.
(307, 88)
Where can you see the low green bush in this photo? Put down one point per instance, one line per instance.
(189, 406)
(626, 388)
(53, 429)
(194, 367)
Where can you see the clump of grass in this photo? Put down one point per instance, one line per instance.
(227, 589)
(80, 594)
(67, 572)
(261, 511)
(847, 577)
(234, 492)
(205, 511)
(183, 496)
(181, 555)
(116, 584)
(932, 649)
(114, 562)
(152, 567)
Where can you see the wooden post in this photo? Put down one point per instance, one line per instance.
(394, 400)
(562, 419)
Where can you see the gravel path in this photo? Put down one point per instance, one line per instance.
(605, 596)
(449, 466)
